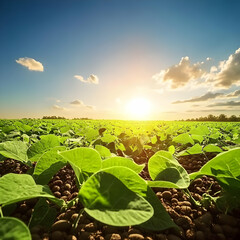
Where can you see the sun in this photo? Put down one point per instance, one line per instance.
(138, 109)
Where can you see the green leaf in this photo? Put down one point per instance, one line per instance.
(160, 220)
(48, 165)
(198, 138)
(225, 167)
(212, 148)
(121, 161)
(8, 129)
(108, 200)
(108, 138)
(16, 150)
(46, 143)
(103, 151)
(91, 134)
(171, 149)
(43, 214)
(18, 187)
(196, 149)
(13, 229)
(226, 164)
(200, 130)
(84, 161)
(167, 172)
(183, 138)
(154, 139)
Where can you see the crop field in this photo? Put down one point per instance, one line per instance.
(119, 180)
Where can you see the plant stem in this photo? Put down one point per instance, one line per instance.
(187, 192)
(78, 218)
(1, 213)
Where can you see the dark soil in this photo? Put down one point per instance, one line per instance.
(195, 223)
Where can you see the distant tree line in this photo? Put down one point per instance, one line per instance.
(220, 118)
(53, 117)
(57, 117)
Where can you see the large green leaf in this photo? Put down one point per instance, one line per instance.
(212, 148)
(48, 165)
(160, 220)
(84, 161)
(196, 149)
(16, 150)
(121, 161)
(200, 130)
(226, 164)
(18, 187)
(108, 200)
(103, 151)
(108, 138)
(167, 172)
(46, 143)
(13, 229)
(183, 138)
(43, 214)
(197, 138)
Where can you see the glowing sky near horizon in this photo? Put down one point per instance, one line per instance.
(95, 58)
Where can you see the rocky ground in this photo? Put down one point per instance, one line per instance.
(195, 223)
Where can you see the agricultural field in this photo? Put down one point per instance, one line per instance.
(119, 180)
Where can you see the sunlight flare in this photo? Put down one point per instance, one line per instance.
(139, 109)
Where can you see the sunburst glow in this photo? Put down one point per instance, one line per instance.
(139, 109)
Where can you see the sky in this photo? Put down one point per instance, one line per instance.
(119, 59)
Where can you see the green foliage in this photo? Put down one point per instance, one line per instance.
(16, 150)
(13, 229)
(160, 220)
(108, 200)
(103, 151)
(43, 214)
(183, 138)
(166, 172)
(84, 161)
(124, 162)
(46, 143)
(196, 149)
(18, 187)
(212, 148)
(48, 165)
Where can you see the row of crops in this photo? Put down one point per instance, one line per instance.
(118, 173)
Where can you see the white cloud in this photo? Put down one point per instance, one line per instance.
(202, 98)
(228, 104)
(233, 94)
(77, 102)
(90, 107)
(57, 107)
(31, 64)
(180, 74)
(227, 73)
(91, 79)
(208, 59)
(80, 103)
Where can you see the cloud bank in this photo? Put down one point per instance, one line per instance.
(227, 73)
(204, 97)
(31, 64)
(91, 79)
(210, 95)
(225, 104)
(180, 74)
(223, 76)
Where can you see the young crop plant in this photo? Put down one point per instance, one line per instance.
(105, 183)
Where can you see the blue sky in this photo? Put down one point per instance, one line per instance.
(91, 58)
